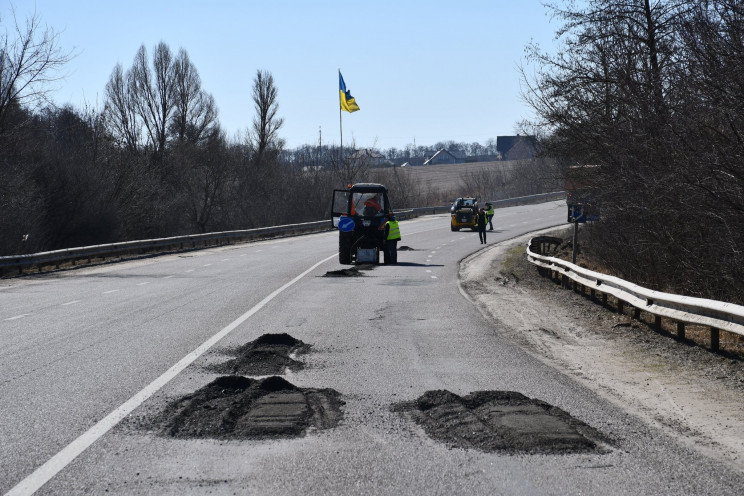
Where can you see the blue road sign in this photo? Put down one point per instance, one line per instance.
(576, 213)
(346, 224)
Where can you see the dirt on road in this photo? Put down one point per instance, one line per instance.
(682, 387)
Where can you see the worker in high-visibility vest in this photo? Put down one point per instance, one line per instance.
(489, 216)
(392, 236)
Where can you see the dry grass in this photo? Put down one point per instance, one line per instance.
(729, 343)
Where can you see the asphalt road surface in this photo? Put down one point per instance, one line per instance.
(91, 358)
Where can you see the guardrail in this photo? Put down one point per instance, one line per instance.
(508, 202)
(86, 254)
(73, 256)
(683, 310)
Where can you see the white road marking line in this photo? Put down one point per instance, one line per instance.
(433, 277)
(58, 462)
(225, 260)
(206, 265)
(70, 303)
(18, 316)
(143, 283)
(168, 277)
(428, 271)
(110, 291)
(189, 270)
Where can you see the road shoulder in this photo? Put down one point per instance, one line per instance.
(695, 395)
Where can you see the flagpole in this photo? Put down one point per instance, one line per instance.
(340, 126)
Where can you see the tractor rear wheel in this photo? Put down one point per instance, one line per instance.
(344, 249)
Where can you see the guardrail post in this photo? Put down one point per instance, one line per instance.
(620, 306)
(604, 299)
(715, 339)
(657, 322)
(680, 330)
(636, 313)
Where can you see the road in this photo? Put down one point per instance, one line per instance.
(83, 349)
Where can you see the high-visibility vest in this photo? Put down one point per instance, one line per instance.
(490, 210)
(394, 232)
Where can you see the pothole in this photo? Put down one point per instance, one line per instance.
(237, 407)
(405, 248)
(501, 421)
(270, 354)
(351, 271)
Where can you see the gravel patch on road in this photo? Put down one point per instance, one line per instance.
(692, 393)
(501, 421)
(237, 407)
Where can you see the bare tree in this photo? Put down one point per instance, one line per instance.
(154, 93)
(195, 112)
(264, 140)
(121, 111)
(650, 90)
(29, 60)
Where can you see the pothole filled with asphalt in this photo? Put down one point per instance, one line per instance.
(237, 407)
(501, 421)
(270, 354)
(350, 272)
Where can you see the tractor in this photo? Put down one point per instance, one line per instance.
(360, 212)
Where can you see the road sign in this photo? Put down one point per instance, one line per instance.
(576, 213)
(346, 224)
(583, 213)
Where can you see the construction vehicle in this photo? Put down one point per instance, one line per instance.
(463, 213)
(360, 212)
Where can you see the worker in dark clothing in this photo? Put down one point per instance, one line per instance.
(372, 206)
(392, 236)
(482, 221)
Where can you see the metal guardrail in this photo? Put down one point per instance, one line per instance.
(87, 254)
(682, 309)
(508, 202)
(177, 243)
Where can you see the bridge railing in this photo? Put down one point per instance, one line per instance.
(683, 310)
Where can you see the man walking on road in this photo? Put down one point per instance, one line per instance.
(482, 221)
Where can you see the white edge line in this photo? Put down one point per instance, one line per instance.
(18, 317)
(55, 464)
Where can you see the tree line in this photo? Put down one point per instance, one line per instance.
(651, 93)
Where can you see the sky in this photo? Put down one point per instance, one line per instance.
(421, 71)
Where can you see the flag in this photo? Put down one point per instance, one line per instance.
(348, 102)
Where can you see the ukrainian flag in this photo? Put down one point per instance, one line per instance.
(348, 102)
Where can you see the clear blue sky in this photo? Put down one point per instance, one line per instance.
(427, 71)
